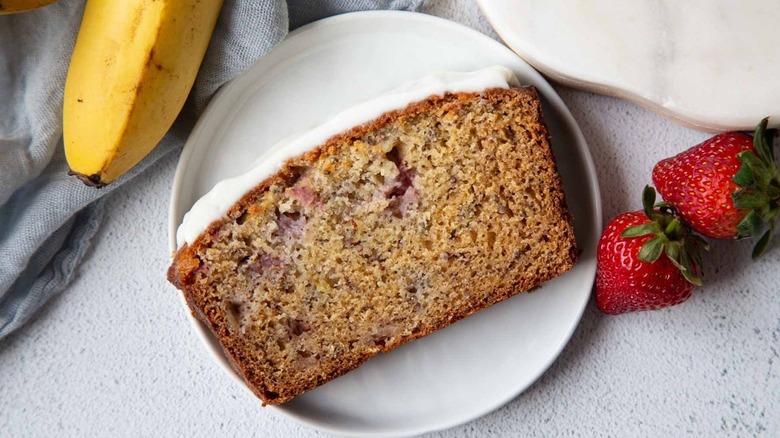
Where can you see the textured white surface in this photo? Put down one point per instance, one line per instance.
(666, 54)
(114, 355)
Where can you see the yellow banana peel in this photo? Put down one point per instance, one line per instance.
(14, 6)
(132, 68)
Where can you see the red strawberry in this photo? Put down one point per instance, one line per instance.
(725, 187)
(698, 184)
(646, 260)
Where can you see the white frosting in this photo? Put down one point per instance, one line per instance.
(214, 204)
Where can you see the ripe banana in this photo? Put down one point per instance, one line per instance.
(132, 68)
(13, 6)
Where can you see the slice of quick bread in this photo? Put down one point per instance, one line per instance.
(385, 233)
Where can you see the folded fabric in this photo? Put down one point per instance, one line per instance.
(48, 218)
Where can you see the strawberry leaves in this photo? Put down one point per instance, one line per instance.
(758, 179)
(671, 237)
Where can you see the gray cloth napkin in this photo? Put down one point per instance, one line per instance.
(48, 218)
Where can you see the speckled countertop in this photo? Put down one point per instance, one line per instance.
(114, 355)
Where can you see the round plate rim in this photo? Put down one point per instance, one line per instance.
(553, 98)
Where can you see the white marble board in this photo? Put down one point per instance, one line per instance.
(708, 64)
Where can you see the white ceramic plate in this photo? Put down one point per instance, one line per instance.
(473, 366)
(709, 64)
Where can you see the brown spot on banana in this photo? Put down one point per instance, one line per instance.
(151, 61)
(91, 180)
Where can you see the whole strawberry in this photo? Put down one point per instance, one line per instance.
(646, 260)
(725, 187)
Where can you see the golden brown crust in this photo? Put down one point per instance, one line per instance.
(186, 262)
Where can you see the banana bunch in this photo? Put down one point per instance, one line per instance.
(132, 68)
(14, 6)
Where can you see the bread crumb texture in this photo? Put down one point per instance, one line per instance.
(384, 234)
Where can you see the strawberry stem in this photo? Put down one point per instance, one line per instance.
(762, 143)
(672, 227)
